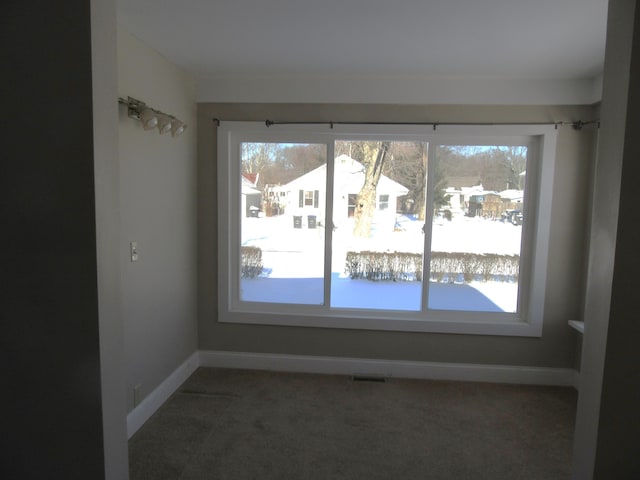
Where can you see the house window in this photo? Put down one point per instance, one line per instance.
(465, 252)
(310, 198)
(351, 204)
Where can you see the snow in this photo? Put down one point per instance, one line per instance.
(294, 264)
(403, 296)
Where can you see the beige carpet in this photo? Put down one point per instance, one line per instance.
(238, 424)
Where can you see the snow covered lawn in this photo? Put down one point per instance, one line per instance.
(293, 260)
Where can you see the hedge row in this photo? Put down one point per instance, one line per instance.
(474, 266)
(250, 262)
(398, 266)
(384, 266)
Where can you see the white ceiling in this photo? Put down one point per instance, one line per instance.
(488, 40)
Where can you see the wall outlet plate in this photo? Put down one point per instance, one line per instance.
(134, 251)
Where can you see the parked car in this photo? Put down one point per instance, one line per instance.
(512, 216)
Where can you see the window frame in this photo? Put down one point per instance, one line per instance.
(541, 142)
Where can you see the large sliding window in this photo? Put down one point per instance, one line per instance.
(282, 254)
(385, 227)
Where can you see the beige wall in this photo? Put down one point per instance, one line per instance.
(157, 209)
(565, 284)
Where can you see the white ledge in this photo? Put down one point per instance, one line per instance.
(578, 325)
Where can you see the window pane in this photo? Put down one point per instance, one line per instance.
(282, 223)
(477, 227)
(378, 214)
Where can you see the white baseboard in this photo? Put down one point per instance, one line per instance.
(152, 402)
(390, 368)
(345, 366)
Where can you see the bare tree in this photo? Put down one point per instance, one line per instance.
(354, 149)
(256, 156)
(375, 156)
(292, 161)
(497, 168)
(408, 166)
(514, 162)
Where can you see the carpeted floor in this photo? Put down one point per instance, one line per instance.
(239, 424)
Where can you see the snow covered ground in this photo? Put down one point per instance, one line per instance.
(293, 260)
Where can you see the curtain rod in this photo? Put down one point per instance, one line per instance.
(576, 125)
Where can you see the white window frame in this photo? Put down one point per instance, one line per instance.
(541, 141)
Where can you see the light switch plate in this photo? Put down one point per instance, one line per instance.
(134, 251)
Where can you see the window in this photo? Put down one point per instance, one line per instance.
(351, 205)
(309, 198)
(386, 227)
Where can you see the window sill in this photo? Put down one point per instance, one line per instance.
(447, 322)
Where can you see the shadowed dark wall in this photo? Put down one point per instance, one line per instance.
(617, 451)
(51, 415)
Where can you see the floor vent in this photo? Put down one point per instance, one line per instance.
(368, 378)
(208, 394)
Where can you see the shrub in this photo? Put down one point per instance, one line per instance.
(474, 266)
(250, 262)
(402, 266)
(376, 266)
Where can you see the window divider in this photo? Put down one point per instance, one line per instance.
(428, 226)
(328, 228)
